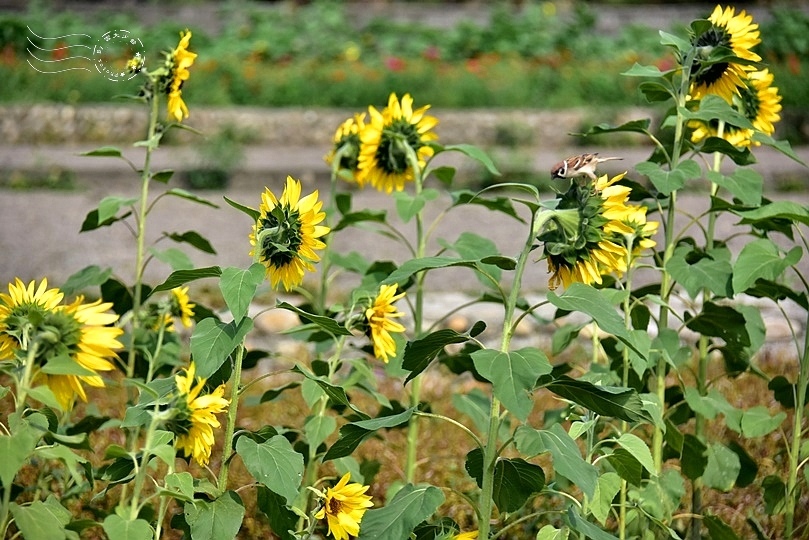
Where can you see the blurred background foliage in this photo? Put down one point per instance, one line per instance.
(318, 53)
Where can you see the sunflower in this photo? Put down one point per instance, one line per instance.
(735, 32)
(471, 535)
(343, 507)
(589, 233)
(181, 305)
(389, 138)
(15, 309)
(195, 416)
(380, 317)
(179, 60)
(347, 147)
(287, 234)
(758, 101)
(35, 317)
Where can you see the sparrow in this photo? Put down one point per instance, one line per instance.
(583, 165)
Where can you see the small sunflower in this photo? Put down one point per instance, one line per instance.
(347, 147)
(287, 234)
(380, 317)
(471, 535)
(388, 139)
(35, 317)
(181, 306)
(343, 507)
(758, 101)
(195, 417)
(589, 233)
(736, 32)
(179, 60)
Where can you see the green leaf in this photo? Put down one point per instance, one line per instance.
(419, 353)
(633, 126)
(326, 323)
(712, 108)
(757, 422)
(318, 428)
(335, 393)
(444, 174)
(782, 146)
(745, 184)
(712, 272)
(661, 495)
(714, 403)
(515, 480)
(513, 375)
(89, 276)
(282, 519)
(670, 40)
(718, 529)
(104, 151)
(219, 519)
(694, 457)
(181, 483)
(273, 463)
(748, 466)
(162, 176)
(579, 524)
(213, 341)
(785, 210)
(655, 91)
(181, 277)
(250, 212)
(377, 216)
(667, 181)
(761, 259)
(475, 153)
(193, 238)
(41, 520)
(109, 206)
(626, 466)
(173, 257)
(121, 529)
(567, 459)
(414, 266)
(497, 204)
(740, 156)
(352, 434)
(187, 195)
(549, 532)
(471, 246)
(720, 321)
(239, 287)
(408, 205)
(19, 445)
(639, 450)
(66, 365)
(722, 469)
(396, 520)
(775, 494)
(614, 401)
(638, 70)
(608, 485)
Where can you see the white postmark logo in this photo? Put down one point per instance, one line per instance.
(117, 54)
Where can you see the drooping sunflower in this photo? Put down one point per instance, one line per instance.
(287, 234)
(343, 507)
(347, 147)
(587, 237)
(380, 318)
(179, 61)
(15, 308)
(758, 101)
(34, 320)
(388, 139)
(195, 415)
(736, 32)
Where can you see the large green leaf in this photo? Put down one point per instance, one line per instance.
(761, 259)
(335, 393)
(513, 375)
(497, 204)
(713, 108)
(576, 522)
(419, 353)
(213, 341)
(175, 258)
(515, 480)
(745, 184)
(414, 266)
(471, 246)
(193, 238)
(722, 469)
(662, 494)
(714, 403)
(786, 210)
(361, 216)
(607, 488)
(757, 422)
(352, 434)
(252, 213)
(326, 323)
(19, 445)
(318, 428)
(614, 401)
(694, 457)
(239, 287)
(408, 205)
(396, 520)
(282, 519)
(219, 519)
(89, 276)
(720, 321)
(42, 520)
(667, 181)
(188, 196)
(626, 466)
(273, 463)
(639, 450)
(718, 529)
(181, 277)
(475, 153)
(122, 529)
(567, 459)
(712, 271)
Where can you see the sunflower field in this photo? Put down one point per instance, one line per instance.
(133, 411)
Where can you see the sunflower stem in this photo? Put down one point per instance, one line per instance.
(25, 383)
(230, 427)
(490, 450)
(627, 306)
(140, 474)
(792, 491)
(146, 176)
